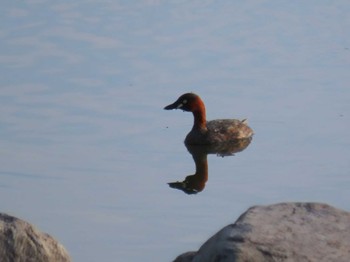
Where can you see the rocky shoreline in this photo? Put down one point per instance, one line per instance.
(22, 242)
(281, 232)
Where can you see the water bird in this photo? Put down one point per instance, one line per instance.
(206, 132)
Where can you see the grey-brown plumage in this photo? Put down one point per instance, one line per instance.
(209, 132)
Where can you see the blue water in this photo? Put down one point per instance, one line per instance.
(87, 150)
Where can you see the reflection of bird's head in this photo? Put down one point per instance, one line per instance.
(184, 187)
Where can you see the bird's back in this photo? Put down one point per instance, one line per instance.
(219, 131)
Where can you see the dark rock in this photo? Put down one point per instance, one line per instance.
(21, 242)
(283, 232)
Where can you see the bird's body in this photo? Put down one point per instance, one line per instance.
(209, 132)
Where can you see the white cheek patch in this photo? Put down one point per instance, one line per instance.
(184, 102)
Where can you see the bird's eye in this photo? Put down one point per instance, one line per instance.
(184, 101)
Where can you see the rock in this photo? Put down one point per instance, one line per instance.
(283, 232)
(21, 242)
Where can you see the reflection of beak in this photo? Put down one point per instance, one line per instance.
(173, 106)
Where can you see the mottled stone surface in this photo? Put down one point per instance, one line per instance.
(283, 232)
(21, 242)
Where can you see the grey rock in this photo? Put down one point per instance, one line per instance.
(283, 232)
(22, 242)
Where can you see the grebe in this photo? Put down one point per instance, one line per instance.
(209, 132)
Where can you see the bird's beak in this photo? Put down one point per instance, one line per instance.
(175, 105)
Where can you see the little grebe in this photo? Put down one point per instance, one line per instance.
(211, 132)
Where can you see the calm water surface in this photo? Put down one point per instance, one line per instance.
(87, 152)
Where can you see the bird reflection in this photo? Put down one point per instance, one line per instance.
(196, 183)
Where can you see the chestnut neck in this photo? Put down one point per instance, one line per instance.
(201, 175)
(200, 121)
